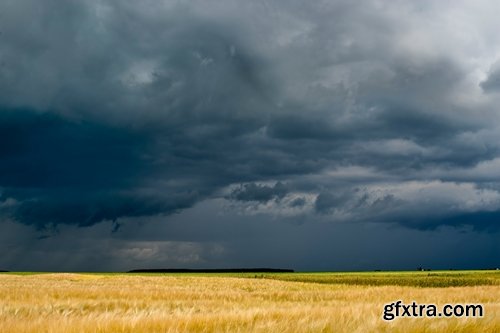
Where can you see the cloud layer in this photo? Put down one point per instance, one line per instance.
(332, 110)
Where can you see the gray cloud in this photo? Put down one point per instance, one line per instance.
(492, 82)
(256, 192)
(421, 205)
(355, 113)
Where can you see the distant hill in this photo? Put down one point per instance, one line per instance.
(213, 270)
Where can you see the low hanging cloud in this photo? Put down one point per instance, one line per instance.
(354, 112)
(260, 193)
(421, 205)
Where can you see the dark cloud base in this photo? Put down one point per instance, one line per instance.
(62, 171)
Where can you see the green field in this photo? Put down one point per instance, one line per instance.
(431, 279)
(413, 279)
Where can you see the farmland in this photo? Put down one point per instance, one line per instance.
(288, 302)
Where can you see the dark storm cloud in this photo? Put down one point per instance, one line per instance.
(232, 240)
(47, 150)
(118, 109)
(63, 171)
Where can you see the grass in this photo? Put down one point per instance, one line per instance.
(434, 279)
(285, 302)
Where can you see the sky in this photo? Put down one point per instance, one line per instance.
(309, 135)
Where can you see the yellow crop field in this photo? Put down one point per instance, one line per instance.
(227, 303)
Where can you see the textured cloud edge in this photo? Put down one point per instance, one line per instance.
(335, 110)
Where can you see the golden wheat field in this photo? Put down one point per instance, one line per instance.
(188, 303)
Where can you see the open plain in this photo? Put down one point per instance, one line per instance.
(290, 302)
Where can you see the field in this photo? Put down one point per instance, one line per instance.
(289, 302)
